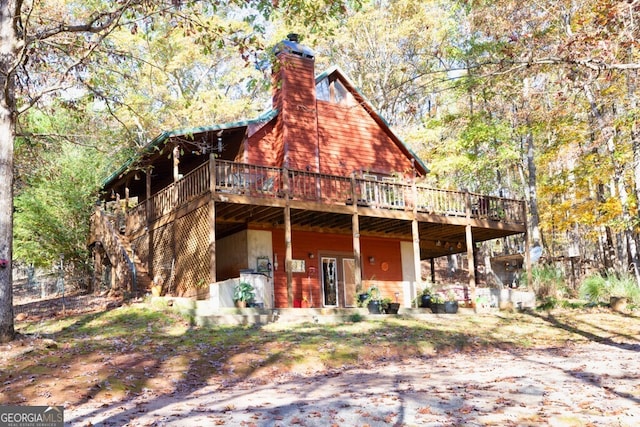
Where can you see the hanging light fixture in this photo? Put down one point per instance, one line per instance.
(220, 141)
(438, 243)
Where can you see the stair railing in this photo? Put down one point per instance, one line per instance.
(104, 232)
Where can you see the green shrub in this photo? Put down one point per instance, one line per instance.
(598, 288)
(547, 281)
(356, 317)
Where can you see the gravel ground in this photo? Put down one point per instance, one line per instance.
(576, 385)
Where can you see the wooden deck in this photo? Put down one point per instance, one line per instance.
(250, 193)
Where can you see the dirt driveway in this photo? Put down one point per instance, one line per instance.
(582, 370)
(579, 385)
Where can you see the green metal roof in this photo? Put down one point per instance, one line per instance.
(164, 136)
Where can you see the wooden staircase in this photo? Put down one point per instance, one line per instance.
(143, 279)
(131, 275)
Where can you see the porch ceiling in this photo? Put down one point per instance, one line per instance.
(233, 217)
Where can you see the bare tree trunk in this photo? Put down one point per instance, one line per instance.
(627, 261)
(536, 235)
(8, 44)
(635, 146)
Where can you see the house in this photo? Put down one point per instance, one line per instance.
(312, 202)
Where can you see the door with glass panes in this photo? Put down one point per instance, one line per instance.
(338, 281)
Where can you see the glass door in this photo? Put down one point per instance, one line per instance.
(329, 282)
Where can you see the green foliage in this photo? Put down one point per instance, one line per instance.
(243, 292)
(356, 317)
(598, 288)
(547, 281)
(52, 211)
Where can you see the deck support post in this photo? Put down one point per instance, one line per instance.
(471, 264)
(355, 221)
(432, 262)
(288, 250)
(527, 245)
(415, 233)
(148, 208)
(355, 230)
(212, 220)
(415, 237)
(288, 254)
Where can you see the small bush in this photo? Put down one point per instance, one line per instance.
(356, 317)
(598, 288)
(547, 281)
(548, 303)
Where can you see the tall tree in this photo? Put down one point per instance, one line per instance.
(45, 46)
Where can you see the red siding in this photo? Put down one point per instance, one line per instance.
(350, 140)
(304, 243)
(297, 106)
(265, 146)
(321, 136)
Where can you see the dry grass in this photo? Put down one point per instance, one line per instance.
(110, 354)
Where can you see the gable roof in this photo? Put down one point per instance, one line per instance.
(362, 100)
(267, 116)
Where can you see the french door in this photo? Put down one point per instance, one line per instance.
(338, 281)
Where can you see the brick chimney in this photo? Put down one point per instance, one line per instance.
(294, 95)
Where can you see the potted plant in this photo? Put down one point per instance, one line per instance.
(451, 304)
(425, 298)
(390, 307)
(374, 302)
(437, 303)
(243, 293)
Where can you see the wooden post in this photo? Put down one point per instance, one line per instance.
(471, 262)
(288, 252)
(470, 250)
(415, 234)
(527, 245)
(212, 219)
(355, 230)
(148, 208)
(433, 270)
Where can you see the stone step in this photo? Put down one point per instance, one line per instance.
(202, 312)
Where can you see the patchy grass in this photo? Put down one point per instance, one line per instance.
(109, 355)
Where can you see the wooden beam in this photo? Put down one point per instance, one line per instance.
(212, 220)
(355, 232)
(471, 263)
(416, 257)
(415, 235)
(470, 254)
(527, 246)
(432, 262)
(148, 207)
(288, 253)
(357, 251)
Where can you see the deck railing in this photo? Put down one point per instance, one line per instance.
(272, 182)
